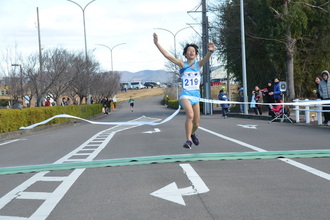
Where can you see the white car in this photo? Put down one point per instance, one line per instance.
(137, 85)
(125, 86)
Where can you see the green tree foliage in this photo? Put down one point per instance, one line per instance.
(274, 31)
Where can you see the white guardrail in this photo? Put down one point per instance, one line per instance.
(307, 109)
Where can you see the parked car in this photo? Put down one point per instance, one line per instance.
(150, 84)
(137, 85)
(125, 86)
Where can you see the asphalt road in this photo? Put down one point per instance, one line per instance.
(221, 189)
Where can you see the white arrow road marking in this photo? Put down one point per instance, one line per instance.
(154, 131)
(172, 193)
(248, 126)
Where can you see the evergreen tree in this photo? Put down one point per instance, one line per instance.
(281, 36)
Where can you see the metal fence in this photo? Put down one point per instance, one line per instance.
(306, 109)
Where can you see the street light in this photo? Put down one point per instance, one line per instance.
(15, 64)
(20, 78)
(86, 57)
(174, 37)
(83, 11)
(111, 52)
(20, 68)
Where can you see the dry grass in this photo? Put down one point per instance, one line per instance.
(142, 93)
(139, 93)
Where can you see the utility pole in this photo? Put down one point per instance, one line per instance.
(243, 57)
(39, 96)
(207, 107)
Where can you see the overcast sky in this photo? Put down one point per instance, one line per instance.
(108, 22)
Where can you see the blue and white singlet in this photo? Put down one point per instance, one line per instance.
(191, 79)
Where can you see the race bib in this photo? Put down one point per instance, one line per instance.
(191, 80)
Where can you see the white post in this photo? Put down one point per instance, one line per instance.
(297, 111)
(308, 120)
(319, 113)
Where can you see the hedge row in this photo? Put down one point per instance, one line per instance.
(170, 102)
(173, 104)
(13, 119)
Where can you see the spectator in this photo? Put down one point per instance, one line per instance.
(276, 109)
(167, 98)
(103, 101)
(269, 88)
(224, 97)
(277, 90)
(63, 103)
(108, 104)
(75, 102)
(317, 81)
(324, 89)
(259, 99)
(104, 110)
(253, 102)
(269, 95)
(241, 98)
(114, 100)
(47, 102)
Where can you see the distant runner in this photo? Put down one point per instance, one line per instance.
(131, 103)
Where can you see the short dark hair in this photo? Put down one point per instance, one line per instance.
(325, 72)
(190, 45)
(278, 99)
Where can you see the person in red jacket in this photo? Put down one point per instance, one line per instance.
(276, 109)
(47, 102)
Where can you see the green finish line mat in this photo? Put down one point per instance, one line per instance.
(166, 159)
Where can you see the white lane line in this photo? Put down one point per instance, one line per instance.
(289, 161)
(52, 199)
(234, 140)
(306, 168)
(8, 142)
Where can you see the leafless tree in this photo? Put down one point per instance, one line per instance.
(106, 85)
(33, 74)
(84, 73)
(57, 65)
(12, 71)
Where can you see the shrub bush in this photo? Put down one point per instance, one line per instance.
(13, 119)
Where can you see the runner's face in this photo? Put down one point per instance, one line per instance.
(191, 53)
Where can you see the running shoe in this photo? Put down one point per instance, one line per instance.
(187, 144)
(195, 139)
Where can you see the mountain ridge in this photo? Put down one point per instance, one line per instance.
(146, 75)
